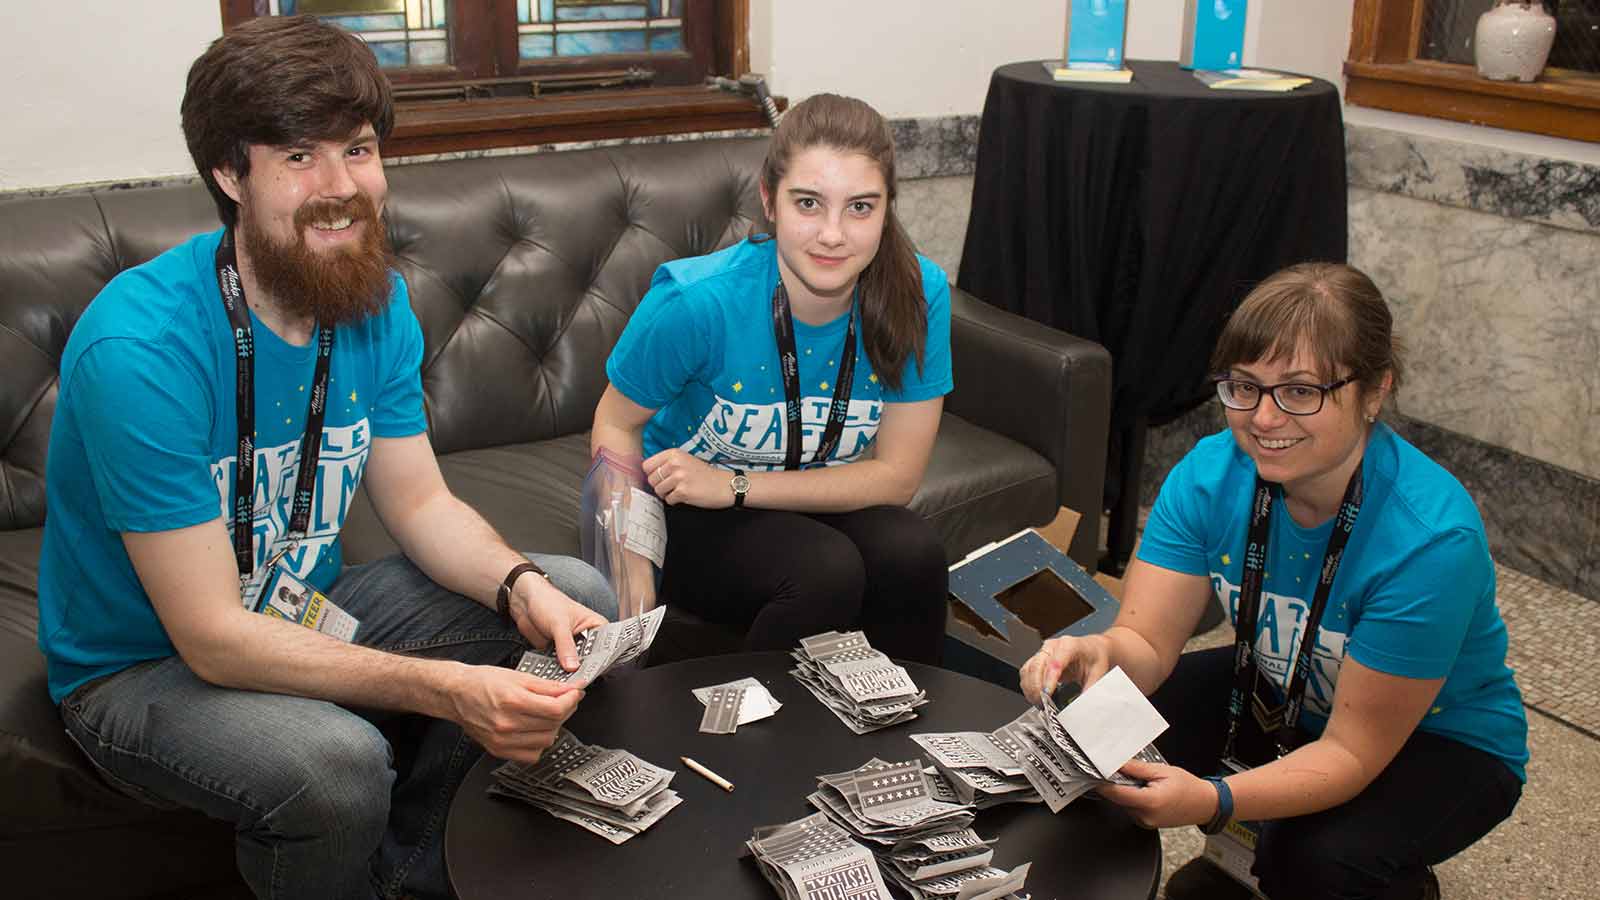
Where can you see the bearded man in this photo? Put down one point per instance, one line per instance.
(217, 407)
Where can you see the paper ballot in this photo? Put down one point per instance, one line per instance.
(1111, 721)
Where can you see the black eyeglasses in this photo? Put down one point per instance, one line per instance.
(1297, 398)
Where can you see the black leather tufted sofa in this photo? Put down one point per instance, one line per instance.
(523, 271)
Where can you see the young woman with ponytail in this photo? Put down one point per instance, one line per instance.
(784, 394)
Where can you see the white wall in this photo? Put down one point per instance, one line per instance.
(913, 58)
(66, 125)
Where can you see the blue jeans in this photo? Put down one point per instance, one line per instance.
(327, 802)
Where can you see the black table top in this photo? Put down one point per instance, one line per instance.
(1161, 78)
(499, 848)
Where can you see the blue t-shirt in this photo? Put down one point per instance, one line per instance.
(1414, 595)
(144, 439)
(700, 350)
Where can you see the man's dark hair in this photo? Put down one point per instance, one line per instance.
(279, 80)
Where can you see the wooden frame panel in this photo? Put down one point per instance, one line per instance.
(1383, 72)
(484, 46)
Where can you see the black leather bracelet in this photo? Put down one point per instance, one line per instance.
(502, 600)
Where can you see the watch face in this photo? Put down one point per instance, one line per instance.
(741, 484)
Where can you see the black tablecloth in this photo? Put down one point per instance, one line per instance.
(1139, 215)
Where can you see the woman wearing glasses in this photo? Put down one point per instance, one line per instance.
(1365, 718)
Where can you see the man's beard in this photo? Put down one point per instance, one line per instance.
(340, 285)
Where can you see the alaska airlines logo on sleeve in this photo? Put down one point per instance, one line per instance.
(753, 434)
(343, 458)
(1279, 631)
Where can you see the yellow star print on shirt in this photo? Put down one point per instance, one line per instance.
(352, 396)
(1226, 559)
(824, 385)
(873, 378)
(738, 386)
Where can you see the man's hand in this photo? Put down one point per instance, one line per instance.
(547, 616)
(1170, 797)
(679, 477)
(1074, 659)
(513, 715)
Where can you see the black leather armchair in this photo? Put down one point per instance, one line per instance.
(523, 271)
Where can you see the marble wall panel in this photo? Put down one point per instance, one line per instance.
(1503, 321)
(934, 212)
(1473, 176)
(935, 146)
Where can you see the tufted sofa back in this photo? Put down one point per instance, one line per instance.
(522, 270)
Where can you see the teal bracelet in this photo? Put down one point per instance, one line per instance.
(1224, 806)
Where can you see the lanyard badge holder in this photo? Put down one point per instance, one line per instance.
(789, 368)
(281, 594)
(1270, 730)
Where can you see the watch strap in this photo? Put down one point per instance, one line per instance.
(1224, 811)
(738, 495)
(502, 602)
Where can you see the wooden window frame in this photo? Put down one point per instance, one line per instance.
(714, 30)
(1383, 72)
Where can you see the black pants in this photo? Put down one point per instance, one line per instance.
(1434, 800)
(783, 576)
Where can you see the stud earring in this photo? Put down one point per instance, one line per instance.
(1371, 419)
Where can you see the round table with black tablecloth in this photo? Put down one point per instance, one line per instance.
(498, 848)
(1139, 215)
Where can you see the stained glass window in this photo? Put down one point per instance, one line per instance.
(402, 33)
(568, 28)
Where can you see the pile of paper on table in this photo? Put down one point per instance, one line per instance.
(980, 771)
(609, 792)
(814, 857)
(864, 689)
(922, 838)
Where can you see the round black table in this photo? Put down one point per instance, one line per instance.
(1139, 215)
(497, 848)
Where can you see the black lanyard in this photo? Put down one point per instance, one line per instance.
(245, 405)
(1245, 667)
(789, 365)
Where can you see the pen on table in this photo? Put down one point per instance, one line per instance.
(711, 776)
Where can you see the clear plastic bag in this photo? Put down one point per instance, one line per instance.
(623, 530)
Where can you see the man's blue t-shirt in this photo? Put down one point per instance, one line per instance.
(144, 439)
(700, 350)
(1414, 595)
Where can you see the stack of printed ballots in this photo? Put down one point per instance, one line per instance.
(981, 771)
(814, 857)
(609, 792)
(1065, 753)
(924, 844)
(864, 688)
(599, 649)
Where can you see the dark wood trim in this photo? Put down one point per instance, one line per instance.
(437, 127)
(484, 46)
(1561, 104)
(1384, 30)
(732, 54)
(1383, 72)
(236, 11)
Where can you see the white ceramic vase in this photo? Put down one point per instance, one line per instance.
(1513, 41)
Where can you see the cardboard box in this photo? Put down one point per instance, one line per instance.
(1213, 34)
(1095, 31)
(1009, 596)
